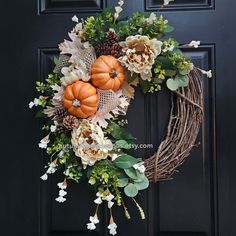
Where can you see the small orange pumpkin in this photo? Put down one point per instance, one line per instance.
(107, 73)
(81, 99)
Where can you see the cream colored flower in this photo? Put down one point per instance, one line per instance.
(140, 54)
(89, 143)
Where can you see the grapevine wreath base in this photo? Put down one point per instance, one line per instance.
(185, 120)
(85, 99)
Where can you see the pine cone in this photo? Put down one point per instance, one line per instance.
(63, 62)
(61, 129)
(103, 49)
(111, 38)
(59, 114)
(116, 50)
(70, 122)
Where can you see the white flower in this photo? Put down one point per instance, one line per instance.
(98, 194)
(75, 19)
(52, 168)
(116, 15)
(94, 219)
(44, 142)
(140, 167)
(207, 73)
(166, 2)
(118, 9)
(191, 66)
(121, 3)
(53, 128)
(110, 204)
(114, 156)
(62, 185)
(169, 48)
(62, 193)
(79, 27)
(56, 87)
(31, 104)
(151, 18)
(112, 227)
(60, 199)
(34, 103)
(194, 44)
(109, 197)
(91, 226)
(98, 200)
(44, 177)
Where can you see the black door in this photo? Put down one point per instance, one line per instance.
(199, 201)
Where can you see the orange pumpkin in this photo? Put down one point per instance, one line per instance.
(107, 73)
(81, 99)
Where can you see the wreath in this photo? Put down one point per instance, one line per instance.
(84, 99)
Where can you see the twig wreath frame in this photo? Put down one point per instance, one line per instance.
(84, 99)
(184, 123)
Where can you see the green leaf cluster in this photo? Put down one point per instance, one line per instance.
(132, 180)
(105, 177)
(119, 132)
(138, 24)
(95, 27)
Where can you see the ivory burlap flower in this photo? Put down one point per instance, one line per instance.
(140, 54)
(89, 143)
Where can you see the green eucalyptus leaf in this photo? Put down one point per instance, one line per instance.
(120, 132)
(133, 77)
(142, 185)
(56, 60)
(131, 190)
(145, 85)
(122, 144)
(123, 182)
(168, 29)
(184, 72)
(172, 84)
(183, 81)
(170, 73)
(40, 114)
(132, 173)
(164, 62)
(125, 161)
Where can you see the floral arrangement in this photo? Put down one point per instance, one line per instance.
(89, 91)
